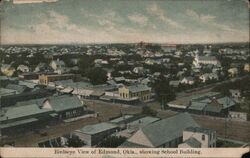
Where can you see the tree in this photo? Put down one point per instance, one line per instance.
(75, 141)
(112, 142)
(164, 92)
(96, 75)
(85, 63)
(146, 110)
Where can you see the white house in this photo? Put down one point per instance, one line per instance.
(232, 72)
(187, 80)
(198, 60)
(23, 68)
(7, 69)
(58, 66)
(235, 93)
(238, 116)
(208, 76)
(197, 137)
(138, 70)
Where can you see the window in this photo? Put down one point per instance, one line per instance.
(203, 137)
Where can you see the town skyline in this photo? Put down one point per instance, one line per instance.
(104, 22)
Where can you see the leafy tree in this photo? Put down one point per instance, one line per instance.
(163, 90)
(112, 141)
(85, 63)
(146, 110)
(75, 141)
(96, 75)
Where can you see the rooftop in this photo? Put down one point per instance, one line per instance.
(199, 130)
(192, 142)
(5, 91)
(22, 111)
(120, 119)
(138, 88)
(143, 121)
(97, 128)
(168, 129)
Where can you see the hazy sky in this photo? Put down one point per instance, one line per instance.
(107, 21)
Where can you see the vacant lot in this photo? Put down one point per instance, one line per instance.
(231, 129)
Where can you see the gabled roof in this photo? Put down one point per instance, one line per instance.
(64, 102)
(163, 131)
(58, 103)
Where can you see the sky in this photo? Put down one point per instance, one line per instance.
(124, 21)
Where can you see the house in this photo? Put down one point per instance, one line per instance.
(187, 80)
(138, 70)
(174, 83)
(7, 69)
(211, 103)
(198, 137)
(58, 66)
(119, 79)
(208, 76)
(143, 92)
(235, 93)
(237, 115)
(233, 72)
(247, 67)
(167, 132)
(23, 68)
(205, 60)
(43, 67)
(92, 135)
(149, 61)
(74, 61)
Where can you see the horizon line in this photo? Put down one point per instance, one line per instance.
(100, 43)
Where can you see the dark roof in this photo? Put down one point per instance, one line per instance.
(166, 130)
